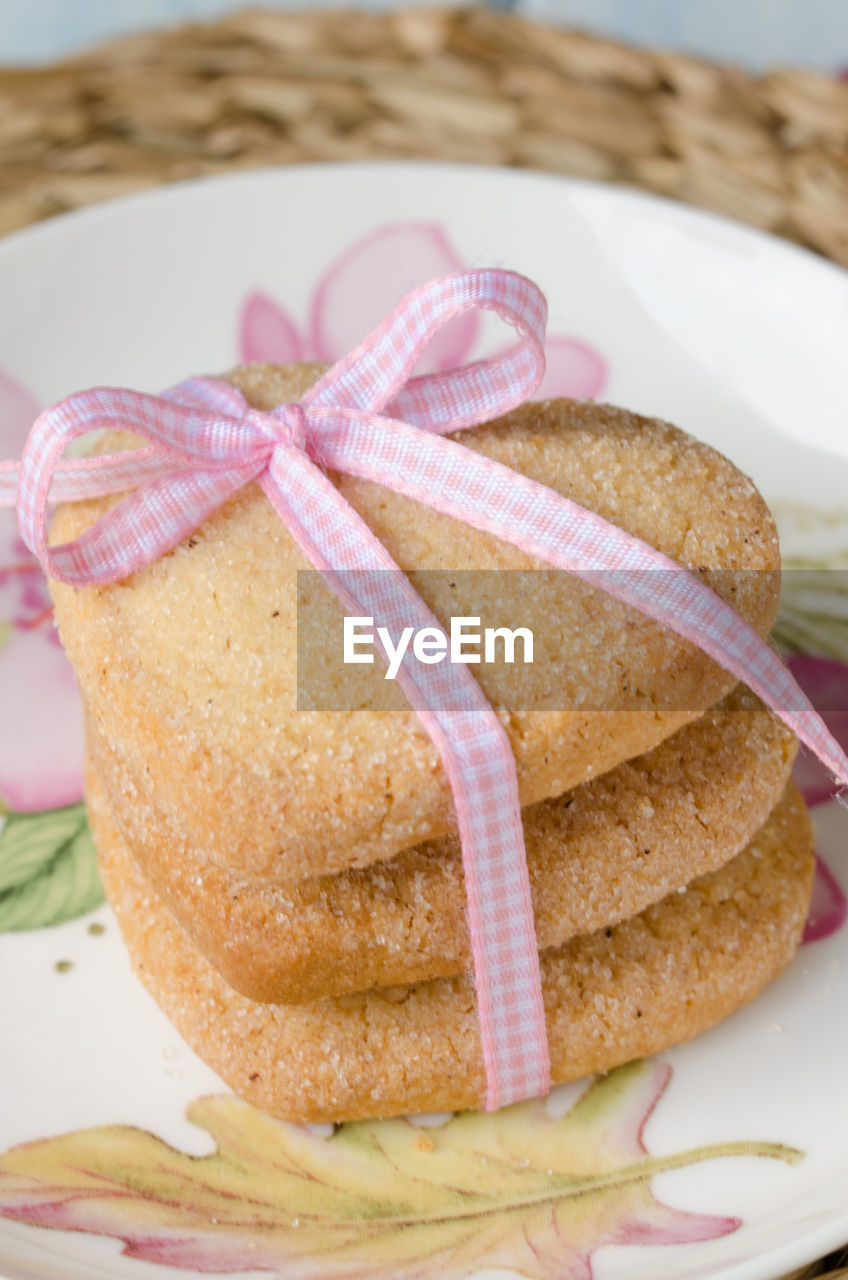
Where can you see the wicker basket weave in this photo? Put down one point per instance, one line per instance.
(472, 85)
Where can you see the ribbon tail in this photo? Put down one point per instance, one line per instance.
(686, 605)
(478, 491)
(478, 762)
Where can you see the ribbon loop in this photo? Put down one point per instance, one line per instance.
(172, 488)
(145, 525)
(375, 376)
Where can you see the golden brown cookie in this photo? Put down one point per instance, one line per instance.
(188, 667)
(596, 855)
(611, 996)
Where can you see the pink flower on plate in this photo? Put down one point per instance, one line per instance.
(41, 748)
(825, 682)
(364, 282)
(829, 906)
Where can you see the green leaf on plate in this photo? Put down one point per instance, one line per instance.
(48, 869)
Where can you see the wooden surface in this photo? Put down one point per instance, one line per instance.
(471, 85)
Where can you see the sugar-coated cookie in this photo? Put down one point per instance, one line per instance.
(596, 855)
(618, 994)
(188, 667)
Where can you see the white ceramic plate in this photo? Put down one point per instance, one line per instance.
(732, 335)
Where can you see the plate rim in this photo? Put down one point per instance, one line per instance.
(603, 192)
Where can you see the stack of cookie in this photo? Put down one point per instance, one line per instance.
(289, 882)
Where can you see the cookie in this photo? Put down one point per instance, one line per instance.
(596, 855)
(188, 667)
(655, 980)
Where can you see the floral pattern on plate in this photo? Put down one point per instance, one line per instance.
(348, 299)
(41, 758)
(519, 1189)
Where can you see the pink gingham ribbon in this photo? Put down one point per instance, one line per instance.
(368, 417)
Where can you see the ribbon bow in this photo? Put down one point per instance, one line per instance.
(368, 417)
